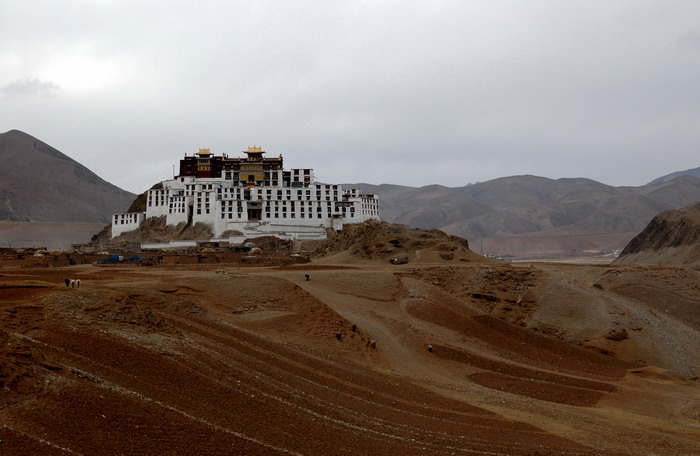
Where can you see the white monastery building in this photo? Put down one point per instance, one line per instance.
(251, 196)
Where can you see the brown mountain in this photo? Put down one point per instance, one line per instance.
(688, 172)
(428, 207)
(671, 238)
(534, 206)
(40, 184)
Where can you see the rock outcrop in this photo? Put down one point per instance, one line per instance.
(398, 244)
(671, 238)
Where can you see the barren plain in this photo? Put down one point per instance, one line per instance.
(430, 357)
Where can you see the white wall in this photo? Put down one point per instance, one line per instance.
(216, 202)
(121, 223)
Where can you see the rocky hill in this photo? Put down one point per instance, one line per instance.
(40, 184)
(671, 238)
(381, 242)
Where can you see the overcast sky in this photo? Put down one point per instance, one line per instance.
(402, 92)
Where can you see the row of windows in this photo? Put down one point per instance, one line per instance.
(129, 216)
(277, 215)
(195, 187)
(284, 215)
(125, 219)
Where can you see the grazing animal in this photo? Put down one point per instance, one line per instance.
(354, 328)
(430, 348)
(77, 283)
(67, 281)
(307, 277)
(72, 283)
(338, 336)
(371, 344)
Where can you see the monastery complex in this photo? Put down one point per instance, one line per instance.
(249, 197)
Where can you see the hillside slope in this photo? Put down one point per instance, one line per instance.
(520, 205)
(373, 241)
(671, 238)
(695, 172)
(421, 359)
(40, 184)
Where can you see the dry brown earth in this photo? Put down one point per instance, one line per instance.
(541, 360)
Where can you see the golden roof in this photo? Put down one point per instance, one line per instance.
(254, 150)
(204, 152)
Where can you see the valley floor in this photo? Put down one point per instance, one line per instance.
(528, 359)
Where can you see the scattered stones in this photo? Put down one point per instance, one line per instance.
(616, 335)
(81, 374)
(401, 258)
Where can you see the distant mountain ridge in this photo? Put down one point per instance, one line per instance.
(532, 205)
(695, 172)
(38, 183)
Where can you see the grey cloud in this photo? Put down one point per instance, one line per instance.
(28, 88)
(405, 92)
